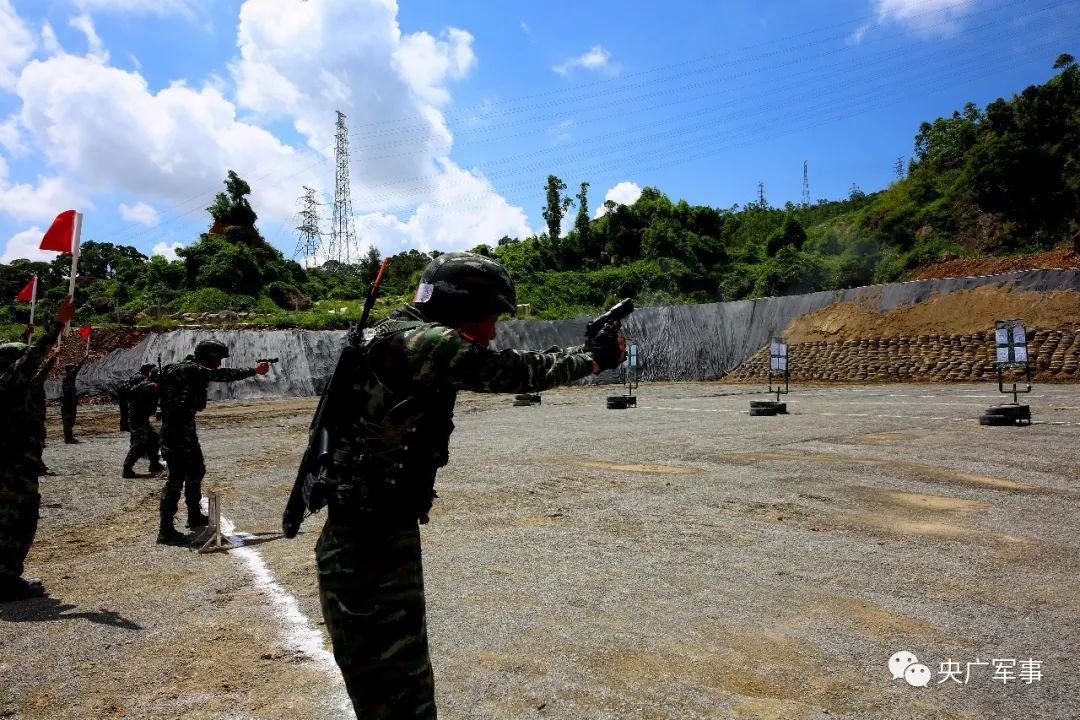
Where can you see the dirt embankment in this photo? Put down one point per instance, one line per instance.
(102, 342)
(974, 267)
(960, 312)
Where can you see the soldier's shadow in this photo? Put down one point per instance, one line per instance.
(47, 609)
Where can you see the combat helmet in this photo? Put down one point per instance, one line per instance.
(465, 287)
(145, 368)
(10, 352)
(211, 350)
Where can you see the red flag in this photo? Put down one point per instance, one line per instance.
(61, 234)
(27, 293)
(84, 332)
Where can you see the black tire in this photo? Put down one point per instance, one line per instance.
(781, 408)
(535, 400)
(996, 420)
(760, 411)
(631, 402)
(616, 402)
(523, 403)
(763, 403)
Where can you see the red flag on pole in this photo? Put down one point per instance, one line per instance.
(60, 237)
(84, 332)
(27, 293)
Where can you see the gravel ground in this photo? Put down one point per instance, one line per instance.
(677, 560)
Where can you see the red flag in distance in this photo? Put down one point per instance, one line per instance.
(61, 234)
(27, 293)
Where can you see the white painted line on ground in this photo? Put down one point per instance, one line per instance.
(296, 630)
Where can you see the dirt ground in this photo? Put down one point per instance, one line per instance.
(677, 560)
(959, 312)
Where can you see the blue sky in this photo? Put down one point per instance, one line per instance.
(133, 110)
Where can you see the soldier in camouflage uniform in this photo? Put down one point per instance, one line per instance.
(142, 404)
(20, 452)
(123, 393)
(183, 393)
(37, 388)
(390, 436)
(69, 400)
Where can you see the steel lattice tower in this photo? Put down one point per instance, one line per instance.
(805, 185)
(310, 234)
(342, 233)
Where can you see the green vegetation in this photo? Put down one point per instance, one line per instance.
(1003, 179)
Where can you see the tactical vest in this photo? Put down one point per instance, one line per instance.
(183, 389)
(390, 432)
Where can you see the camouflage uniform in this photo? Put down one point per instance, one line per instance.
(183, 393)
(69, 401)
(20, 458)
(38, 390)
(389, 443)
(145, 441)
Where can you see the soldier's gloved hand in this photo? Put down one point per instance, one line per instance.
(607, 347)
(262, 368)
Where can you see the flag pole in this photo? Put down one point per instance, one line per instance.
(33, 299)
(74, 257)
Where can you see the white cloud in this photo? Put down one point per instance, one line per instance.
(49, 40)
(931, 17)
(624, 193)
(140, 213)
(143, 143)
(11, 138)
(597, 58)
(860, 32)
(17, 43)
(85, 25)
(427, 63)
(464, 212)
(25, 245)
(560, 132)
(167, 250)
(304, 60)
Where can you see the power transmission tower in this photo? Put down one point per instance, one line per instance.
(899, 168)
(342, 234)
(310, 233)
(805, 185)
(761, 194)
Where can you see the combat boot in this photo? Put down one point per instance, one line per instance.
(20, 589)
(168, 535)
(197, 520)
(129, 473)
(156, 468)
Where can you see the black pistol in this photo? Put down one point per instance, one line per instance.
(269, 361)
(618, 312)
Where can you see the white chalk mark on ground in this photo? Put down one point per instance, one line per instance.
(296, 630)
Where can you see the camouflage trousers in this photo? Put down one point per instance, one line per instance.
(145, 442)
(180, 448)
(19, 502)
(371, 586)
(67, 416)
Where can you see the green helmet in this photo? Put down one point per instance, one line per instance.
(465, 287)
(10, 352)
(211, 350)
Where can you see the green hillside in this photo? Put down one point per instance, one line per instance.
(996, 180)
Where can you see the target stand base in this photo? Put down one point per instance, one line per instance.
(767, 407)
(210, 539)
(1009, 414)
(526, 400)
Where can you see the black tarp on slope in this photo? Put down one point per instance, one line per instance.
(687, 342)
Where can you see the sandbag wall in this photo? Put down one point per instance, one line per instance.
(923, 358)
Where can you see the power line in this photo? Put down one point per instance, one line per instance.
(342, 232)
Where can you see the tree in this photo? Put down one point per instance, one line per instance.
(556, 207)
(1064, 61)
(790, 234)
(581, 222)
